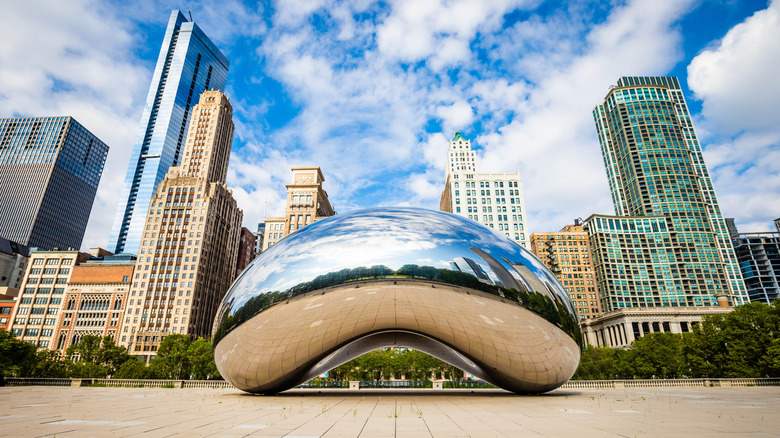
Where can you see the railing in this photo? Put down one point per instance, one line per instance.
(669, 383)
(24, 381)
(325, 384)
(396, 384)
(467, 384)
(118, 383)
(130, 383)
(205, 384)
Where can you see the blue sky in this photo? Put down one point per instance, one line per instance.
(372, 91)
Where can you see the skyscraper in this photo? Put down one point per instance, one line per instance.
(494, 199)
(307, 202)
(567, 254)
(759, 259)
(259, 236)
(50, 168)
(246, 250)
(189, 246)
(660, 186)
(188, 64)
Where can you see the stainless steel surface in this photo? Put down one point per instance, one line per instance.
(428, 280)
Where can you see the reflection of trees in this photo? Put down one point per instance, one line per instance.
(537, 302)
(386, 364)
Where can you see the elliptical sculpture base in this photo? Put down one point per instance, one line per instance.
(421, 279)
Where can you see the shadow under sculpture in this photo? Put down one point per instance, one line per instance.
(396, 277)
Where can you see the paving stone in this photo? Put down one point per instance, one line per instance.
(640, 412)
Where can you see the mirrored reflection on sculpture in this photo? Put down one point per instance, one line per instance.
(406, 277)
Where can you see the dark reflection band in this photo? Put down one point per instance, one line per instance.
(393, 243)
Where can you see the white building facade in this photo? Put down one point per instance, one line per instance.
(493, 199)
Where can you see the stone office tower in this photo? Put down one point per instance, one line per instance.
(307, 202)
(668, 244)
(493, 199)
(50, 168)
(188, 64)
(189, 244)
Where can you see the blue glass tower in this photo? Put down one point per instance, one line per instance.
(188, 64)
(50, 168)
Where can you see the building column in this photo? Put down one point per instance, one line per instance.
(629, 333)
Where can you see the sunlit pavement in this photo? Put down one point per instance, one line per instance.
(657, 412)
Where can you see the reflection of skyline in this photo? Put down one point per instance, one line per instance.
(469, 266)
(384, 236)
(504, 277)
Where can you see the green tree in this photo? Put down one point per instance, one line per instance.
(741, 343)
(94, 356)
(389, 364)
(49, 363)
(658, 355)
(172, 361)
(17, 358)
(86, 350)
(202, 364)
(179, 357)
(136, 369)
(599, 363)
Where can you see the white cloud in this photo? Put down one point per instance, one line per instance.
(425, 187)
(363, 112)
(455, 117)
(434, 150)
(438, 32)
(736, 81)
(366, 81)
(552, 138)
(76, 58)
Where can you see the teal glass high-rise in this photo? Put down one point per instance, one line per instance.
(656, 170)
(188, 64)
(50, 168)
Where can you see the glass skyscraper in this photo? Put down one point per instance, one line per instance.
(50, 168)
(188, 64)
(660, 187)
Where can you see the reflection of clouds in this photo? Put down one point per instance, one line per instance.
(392, 237)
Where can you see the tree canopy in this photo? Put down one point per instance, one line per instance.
(178, 357)
(741, 343)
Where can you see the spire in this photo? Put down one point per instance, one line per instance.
(458, 136)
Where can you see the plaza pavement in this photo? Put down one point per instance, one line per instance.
(652, 412)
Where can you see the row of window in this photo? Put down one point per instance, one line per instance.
(50, 271)
(40, 261)
(43, 290)
(38, 300)
(46, 280)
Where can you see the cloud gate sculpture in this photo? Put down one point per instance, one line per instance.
(405, 277)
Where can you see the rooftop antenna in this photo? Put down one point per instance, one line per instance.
(190, 12)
